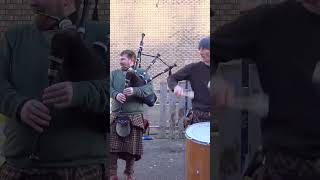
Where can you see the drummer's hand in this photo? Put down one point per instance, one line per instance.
(222, 93)
(121, 98)
(128, 91)
(178, 91)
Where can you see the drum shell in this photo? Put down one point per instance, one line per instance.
(197, 160)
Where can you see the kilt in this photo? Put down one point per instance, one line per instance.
(196, 117)
(285, 166)
(200, 116)
(92, 172)
(132, 144)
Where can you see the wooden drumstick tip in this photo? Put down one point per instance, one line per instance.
(189, 94)
(258, 104)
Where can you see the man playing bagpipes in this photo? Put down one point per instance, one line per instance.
(51, 131)
(127, 123)
(199, 76)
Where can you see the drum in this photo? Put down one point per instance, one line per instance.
(198, 151)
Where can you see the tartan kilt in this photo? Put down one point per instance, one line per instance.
(196, 117)
(132, 144)
(285, 166)
(92, 172)
(200, 116)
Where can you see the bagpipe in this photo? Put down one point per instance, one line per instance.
(135, 78)
(72, 59)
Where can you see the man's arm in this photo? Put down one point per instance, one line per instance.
(240, 38)
(94, 95)
(10, 100)
(90, 95)
(113, 92)
(183, 74)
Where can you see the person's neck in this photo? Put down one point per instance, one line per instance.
(311, 8)
(208, 64)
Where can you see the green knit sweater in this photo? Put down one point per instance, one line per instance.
(132, 105)
(71, 139)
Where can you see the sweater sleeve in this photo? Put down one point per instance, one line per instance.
(240, 38)
(10, 99)
(113, 91)
(93, 95)
(182, 74)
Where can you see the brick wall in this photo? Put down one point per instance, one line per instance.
(173, 29)
(227, 10)
(224, 11)
(18, 12)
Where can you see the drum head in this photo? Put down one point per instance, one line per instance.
(199, 132)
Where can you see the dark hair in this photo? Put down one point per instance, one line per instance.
(130, 54)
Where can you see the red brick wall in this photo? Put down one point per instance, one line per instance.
(18, 12)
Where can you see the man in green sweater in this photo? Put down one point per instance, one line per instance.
(127, 117)
(72, 146)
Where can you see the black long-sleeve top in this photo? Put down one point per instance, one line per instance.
(284, 41)
(199, 76)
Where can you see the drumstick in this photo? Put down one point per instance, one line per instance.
(189, 94)
(258, 104)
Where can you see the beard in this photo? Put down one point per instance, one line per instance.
(41, 17)
(44, 23)
(124, 67)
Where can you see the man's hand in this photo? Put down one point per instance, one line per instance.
(60, 95)
(35, 114)
(128, 91)
(178, 91)
(121, 98)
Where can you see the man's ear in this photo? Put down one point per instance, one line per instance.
(132, 61)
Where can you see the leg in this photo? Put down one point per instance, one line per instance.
(90, 172)
(113, 166)
(130, 159)
(10, 173)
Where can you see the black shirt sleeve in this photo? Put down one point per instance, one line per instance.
(239, 39)
(182, 74)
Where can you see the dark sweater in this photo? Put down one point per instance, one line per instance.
(199, 76)
(284, 41)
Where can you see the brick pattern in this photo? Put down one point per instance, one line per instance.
(18, 12)
(227, 10)
(224, 11)
(173, 29)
